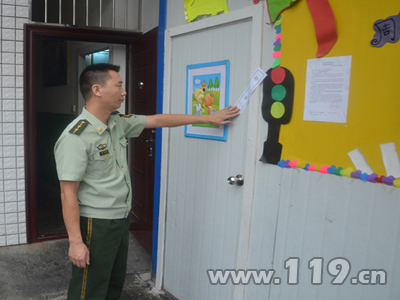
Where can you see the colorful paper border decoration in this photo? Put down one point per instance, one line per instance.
(339, 171)
(277, 43)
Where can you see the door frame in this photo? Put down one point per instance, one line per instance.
(256, 15)
(162, 25)
(31, 33)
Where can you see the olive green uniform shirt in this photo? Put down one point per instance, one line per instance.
(95, 154)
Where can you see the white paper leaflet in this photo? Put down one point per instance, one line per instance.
(255, 80)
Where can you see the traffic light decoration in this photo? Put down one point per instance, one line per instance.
(277, 105)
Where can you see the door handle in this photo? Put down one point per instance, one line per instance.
(238, 180)
(151, 144)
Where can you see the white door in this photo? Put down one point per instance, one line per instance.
(205, 220)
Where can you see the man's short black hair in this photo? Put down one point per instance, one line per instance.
(95, 74)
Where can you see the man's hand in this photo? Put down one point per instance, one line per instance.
(222, 117)
(79, 254)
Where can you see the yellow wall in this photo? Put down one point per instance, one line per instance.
(373, 116)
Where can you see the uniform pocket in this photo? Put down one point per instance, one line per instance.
(123, 142)
(101, 164)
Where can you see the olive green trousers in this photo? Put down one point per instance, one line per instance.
(107, 241)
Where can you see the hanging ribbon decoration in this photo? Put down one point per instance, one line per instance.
(324, 23)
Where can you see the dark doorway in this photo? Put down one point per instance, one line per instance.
(144, 82)
(58, 102)
(42, 127)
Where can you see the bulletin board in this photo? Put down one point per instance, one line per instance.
(373, 115)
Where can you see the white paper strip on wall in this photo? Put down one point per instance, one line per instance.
(390, 159)
(359, 161)
(243, 100)
(255, 80)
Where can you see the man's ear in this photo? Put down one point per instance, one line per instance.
(96, 90)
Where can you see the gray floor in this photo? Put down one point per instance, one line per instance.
(42, 271)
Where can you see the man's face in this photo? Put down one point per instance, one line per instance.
(112, 93)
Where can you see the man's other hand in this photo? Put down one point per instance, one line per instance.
(79, 254)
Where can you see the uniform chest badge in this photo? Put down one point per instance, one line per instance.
(102, 153)
(102, 146)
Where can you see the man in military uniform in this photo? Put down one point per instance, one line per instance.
(95, 182)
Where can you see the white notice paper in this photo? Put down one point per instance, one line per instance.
(390, 159)
(255, 80)
(359, 161)
(327, 89)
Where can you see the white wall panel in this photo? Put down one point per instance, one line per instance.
(263, 227)
(326, 216)
(149, 14)
(127, 14)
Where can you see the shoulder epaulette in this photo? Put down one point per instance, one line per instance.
(115, 112)
(125, 116)
(79, 127)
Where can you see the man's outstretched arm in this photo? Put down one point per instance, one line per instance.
(172, 120)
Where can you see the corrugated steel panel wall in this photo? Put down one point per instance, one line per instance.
(307, 215)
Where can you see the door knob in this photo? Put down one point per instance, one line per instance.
(238, 180)
(141, 85)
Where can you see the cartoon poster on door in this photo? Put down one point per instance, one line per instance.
(207, 93)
